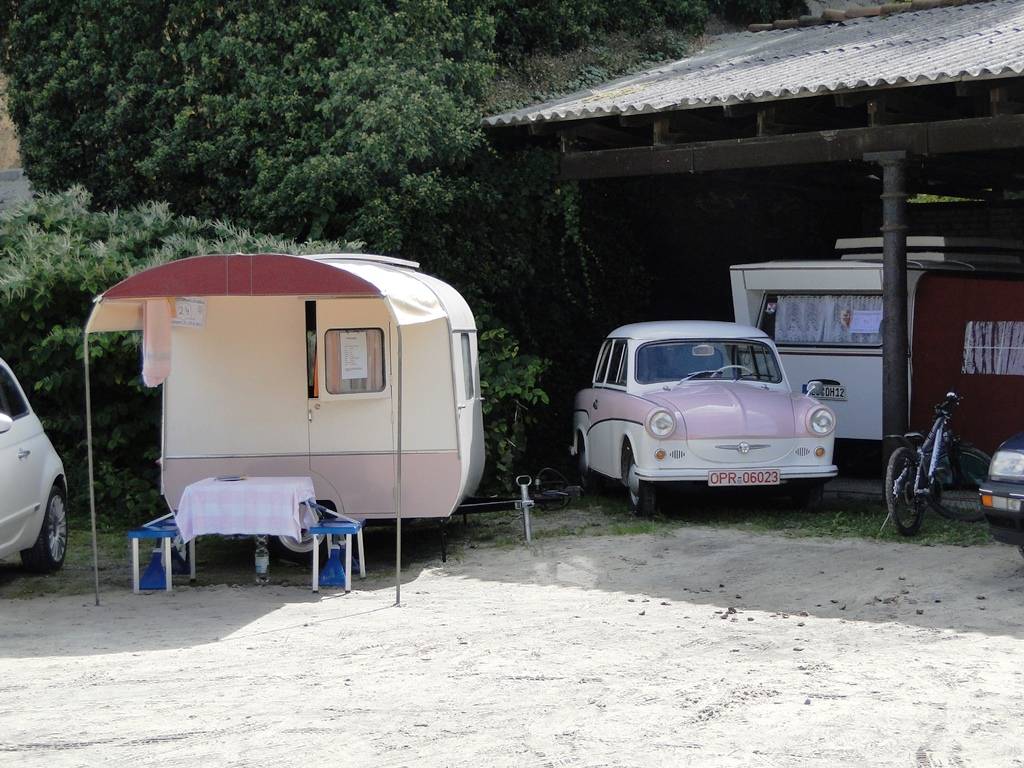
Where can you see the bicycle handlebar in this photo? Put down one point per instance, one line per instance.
(951, 401)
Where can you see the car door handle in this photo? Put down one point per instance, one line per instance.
(595, 405)
(24, 454)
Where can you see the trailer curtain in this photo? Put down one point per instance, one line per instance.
(994, 347)
(828, 319)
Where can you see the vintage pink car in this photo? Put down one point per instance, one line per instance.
(699, 402)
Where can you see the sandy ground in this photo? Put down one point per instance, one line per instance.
(580, 652)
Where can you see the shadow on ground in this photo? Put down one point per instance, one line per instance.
(75, 626)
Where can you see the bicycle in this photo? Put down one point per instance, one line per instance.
(919, 470)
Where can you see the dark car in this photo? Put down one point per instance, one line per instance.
(1002, 494)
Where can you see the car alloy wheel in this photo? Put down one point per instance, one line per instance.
(57, 524)
(51, 544)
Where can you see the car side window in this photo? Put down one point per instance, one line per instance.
(11, 400)
(617, 364)
(602, 363)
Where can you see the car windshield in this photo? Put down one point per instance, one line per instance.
(693, 360)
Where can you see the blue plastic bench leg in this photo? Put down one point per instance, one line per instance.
(155, 575)
(333, 572)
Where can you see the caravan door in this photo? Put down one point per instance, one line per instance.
(351, 426)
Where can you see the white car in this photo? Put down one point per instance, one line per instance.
(33, 488)
(699, 403)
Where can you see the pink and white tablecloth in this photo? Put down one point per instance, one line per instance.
(257, 505)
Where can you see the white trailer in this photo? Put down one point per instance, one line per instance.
(825, 318)
(359, 371)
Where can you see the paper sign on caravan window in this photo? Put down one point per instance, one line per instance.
(866, 321)
(189, 312)
(353, 355)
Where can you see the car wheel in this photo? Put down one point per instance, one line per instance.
(643, 494)
(589, 481)
(808, 498)
(51, 546)
(1021, 550)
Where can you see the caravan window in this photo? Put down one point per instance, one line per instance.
(354, 360)
(467, 366)
(994, 348)
(823, 320)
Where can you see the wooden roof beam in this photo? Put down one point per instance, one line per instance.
(851, 144)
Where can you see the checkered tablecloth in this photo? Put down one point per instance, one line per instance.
(256, 505)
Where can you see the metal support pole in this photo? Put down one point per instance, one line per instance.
(92, 483)
(895, 332)
(398, 476)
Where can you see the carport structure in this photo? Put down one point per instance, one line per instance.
(927, 97)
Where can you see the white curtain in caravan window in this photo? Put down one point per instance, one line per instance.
(354, 360)
(994, 347)
(828, 319)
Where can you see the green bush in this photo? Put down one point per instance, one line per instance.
(312, 118)
(746, 11)
(509, 385)
(556, 25)
(55, 256)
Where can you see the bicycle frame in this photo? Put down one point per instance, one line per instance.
(932, 447)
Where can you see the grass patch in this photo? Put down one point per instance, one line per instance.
(606, 515)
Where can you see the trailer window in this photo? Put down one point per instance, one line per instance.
(994, 348)
(823, 320)
(467, 365)
(354, 360)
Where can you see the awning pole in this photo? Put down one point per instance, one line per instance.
(398, 480)
(88, 445)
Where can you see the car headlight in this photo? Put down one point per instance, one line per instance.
(821, 421)
(1007, 465)
(661, 423)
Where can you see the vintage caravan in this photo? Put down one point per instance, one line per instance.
(966, 318)
(358, 371)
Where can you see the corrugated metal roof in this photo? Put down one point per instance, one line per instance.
(938, 45)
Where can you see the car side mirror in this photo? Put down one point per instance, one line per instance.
(6, 422)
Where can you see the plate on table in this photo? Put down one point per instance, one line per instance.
(229, 478)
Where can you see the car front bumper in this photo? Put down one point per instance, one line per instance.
(700, 475)
(1006, 525)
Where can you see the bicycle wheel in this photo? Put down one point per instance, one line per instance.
(905, 511)
(956, 505)
(960, 502)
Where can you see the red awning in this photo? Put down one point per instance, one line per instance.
(261, 274)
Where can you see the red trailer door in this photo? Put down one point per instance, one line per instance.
(966, 329)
